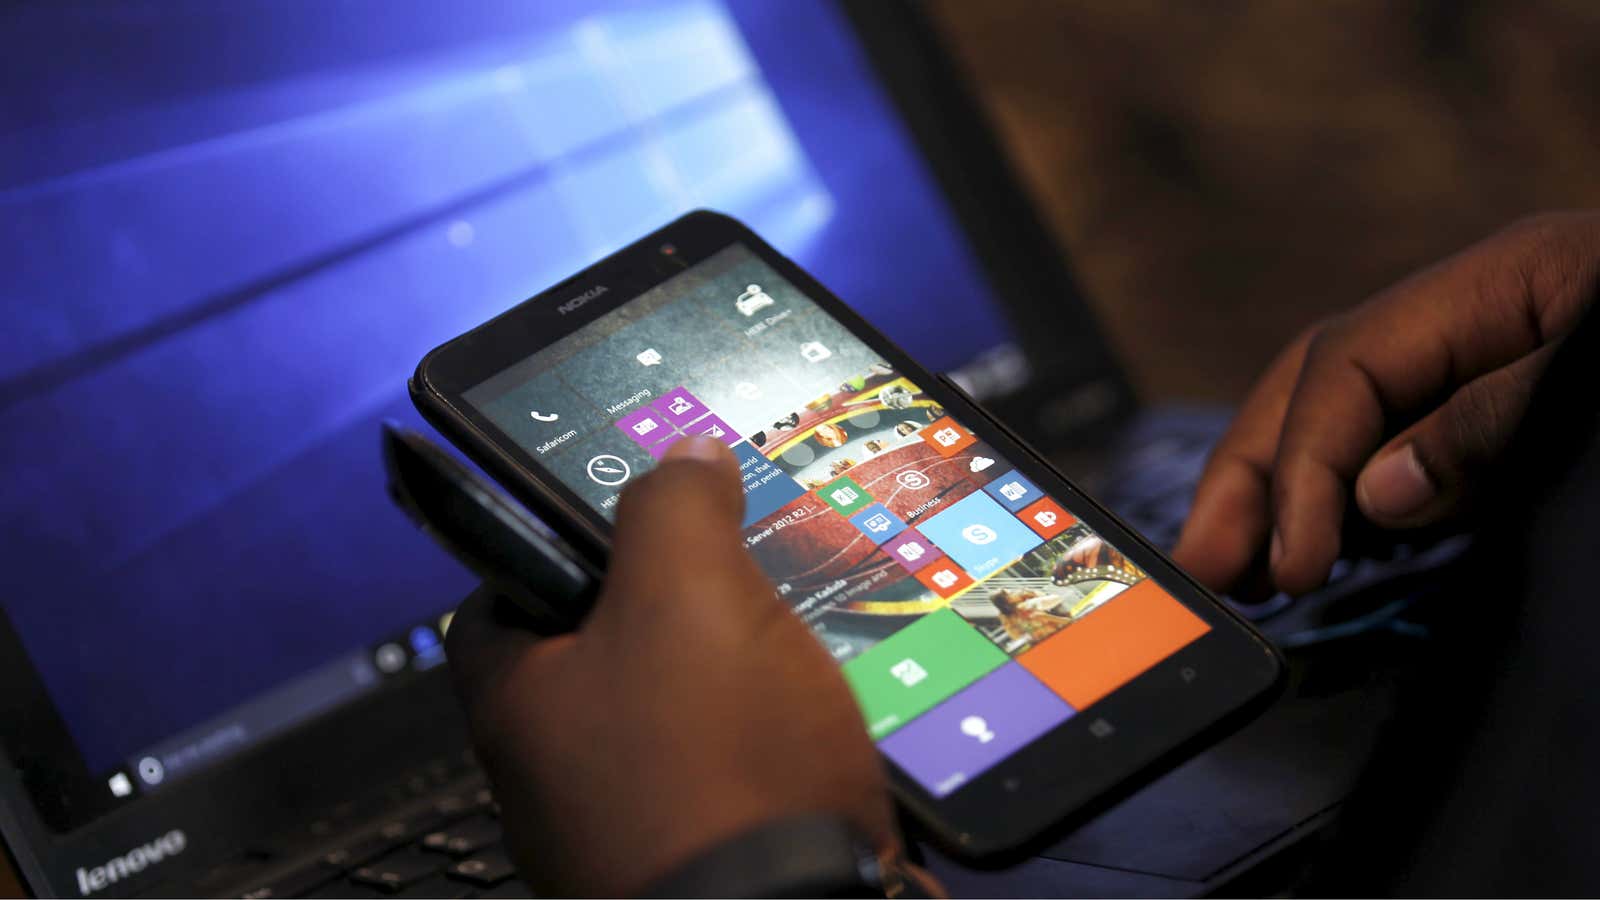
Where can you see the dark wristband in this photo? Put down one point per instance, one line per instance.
(804, 856)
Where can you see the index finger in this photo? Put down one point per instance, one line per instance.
(677, 549)
(1231, 515)
(1375, 370)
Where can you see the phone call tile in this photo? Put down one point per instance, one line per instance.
(542, 415)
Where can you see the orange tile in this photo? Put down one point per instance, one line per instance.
(947, 437)
(944, 577)
(1046, 518)
(1110, 646)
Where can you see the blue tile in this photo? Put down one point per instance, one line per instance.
(1013, 491)
(877, 523)
(979, 534)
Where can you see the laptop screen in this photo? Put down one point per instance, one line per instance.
(229, 233)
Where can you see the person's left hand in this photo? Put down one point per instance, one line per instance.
(1393, 413)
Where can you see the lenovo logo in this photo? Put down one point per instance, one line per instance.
(131, 863)
(581, 299)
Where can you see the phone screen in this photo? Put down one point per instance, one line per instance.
(971, 611)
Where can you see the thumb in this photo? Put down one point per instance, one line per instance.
(677, 532)
(1429, 472)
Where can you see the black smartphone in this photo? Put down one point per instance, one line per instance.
(1020, 656)
(516, 555)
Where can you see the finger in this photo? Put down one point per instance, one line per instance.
(486, 653)
(1231, 515)
(677, 535)
(1397, 356)
(1426, 473)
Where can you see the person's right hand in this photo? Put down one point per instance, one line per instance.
(1402, 402)
(692, 704)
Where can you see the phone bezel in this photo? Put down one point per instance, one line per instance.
(1232, 671)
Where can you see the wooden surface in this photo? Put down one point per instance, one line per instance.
(1225, 173)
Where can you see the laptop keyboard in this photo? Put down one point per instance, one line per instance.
(434, 834)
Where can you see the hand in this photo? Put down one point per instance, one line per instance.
(691, 705)
(1404, 402)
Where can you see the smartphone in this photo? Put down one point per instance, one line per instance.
(1020, 657)
(515, 554)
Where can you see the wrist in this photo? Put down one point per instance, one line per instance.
(797, 856)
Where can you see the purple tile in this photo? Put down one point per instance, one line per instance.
(679, 407)
(644, 427)
(660, 450)
(713, 426)
(911, 550)
(994, 717)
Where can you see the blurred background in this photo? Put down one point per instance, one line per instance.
(1225, 173)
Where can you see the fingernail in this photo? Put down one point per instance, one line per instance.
(1276, 554)
(1395, 485)
(698, 447)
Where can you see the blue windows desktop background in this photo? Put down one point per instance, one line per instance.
(229, 231)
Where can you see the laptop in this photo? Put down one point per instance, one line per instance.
(231, 231)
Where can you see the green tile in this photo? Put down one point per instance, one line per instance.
(918, 667)
(844, 495)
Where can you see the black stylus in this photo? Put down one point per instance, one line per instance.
(517, 556)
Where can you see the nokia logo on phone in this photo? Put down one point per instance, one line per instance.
(581, 299)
